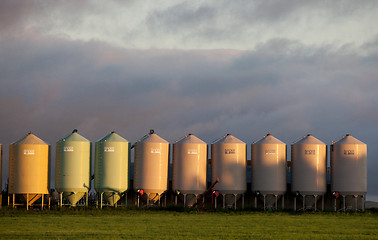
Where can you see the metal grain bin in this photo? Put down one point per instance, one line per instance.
(111, 167)
(151, 165)
(189, 165)
(308, 166)
(269, 166)
(29, 168)
(73, 167)
(348, 166)
(228, 156)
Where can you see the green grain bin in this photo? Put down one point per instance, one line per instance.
(73, 167)
(111, 167)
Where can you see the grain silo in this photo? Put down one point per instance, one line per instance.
(29, 169)
(308, 176)
(268, 156)
(72, 168)
(228, 157)
(189, 168)
(151, 167)
(112, 154)
(348, 171)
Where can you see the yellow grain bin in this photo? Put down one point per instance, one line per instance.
(151, 165)
(29, 167)
(73, 167)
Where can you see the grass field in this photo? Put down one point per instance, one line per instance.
(160, 224)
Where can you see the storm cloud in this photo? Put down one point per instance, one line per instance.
(54, 80)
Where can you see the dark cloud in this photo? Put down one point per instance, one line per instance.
(12, 13)
(51, 85)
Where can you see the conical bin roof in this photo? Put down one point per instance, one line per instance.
(30, 138)
(228, 139)
(309, 139)
(152, 137)
(348, 139)
(74, 137)
(269, 139)
(112, 137)
(190, 138)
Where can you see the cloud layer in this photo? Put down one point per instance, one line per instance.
(59, 72)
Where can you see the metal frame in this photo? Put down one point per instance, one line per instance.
(42, 204)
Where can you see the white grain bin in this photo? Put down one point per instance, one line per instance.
(189, 166)
(308, 169)
(151, 165)
(229, 164)
(269, 166)
(348, 168)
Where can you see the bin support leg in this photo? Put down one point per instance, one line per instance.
(344, 204)
(355, 203)
(264, 201)
(276, 201)
(304, 202)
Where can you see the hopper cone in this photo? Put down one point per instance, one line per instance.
(72, 197)
(153, 197)
(111, 197)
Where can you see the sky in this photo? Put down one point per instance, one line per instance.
(203, 67)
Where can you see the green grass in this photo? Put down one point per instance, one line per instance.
(160, 224)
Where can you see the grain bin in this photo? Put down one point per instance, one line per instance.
(228, 156)
(189, 167)
(308, 165)
(348, 169)
(151, 166)
(111, 167)
(73, 167)
(268, 156)
(29, 169)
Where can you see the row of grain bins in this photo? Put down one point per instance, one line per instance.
(29, 168)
